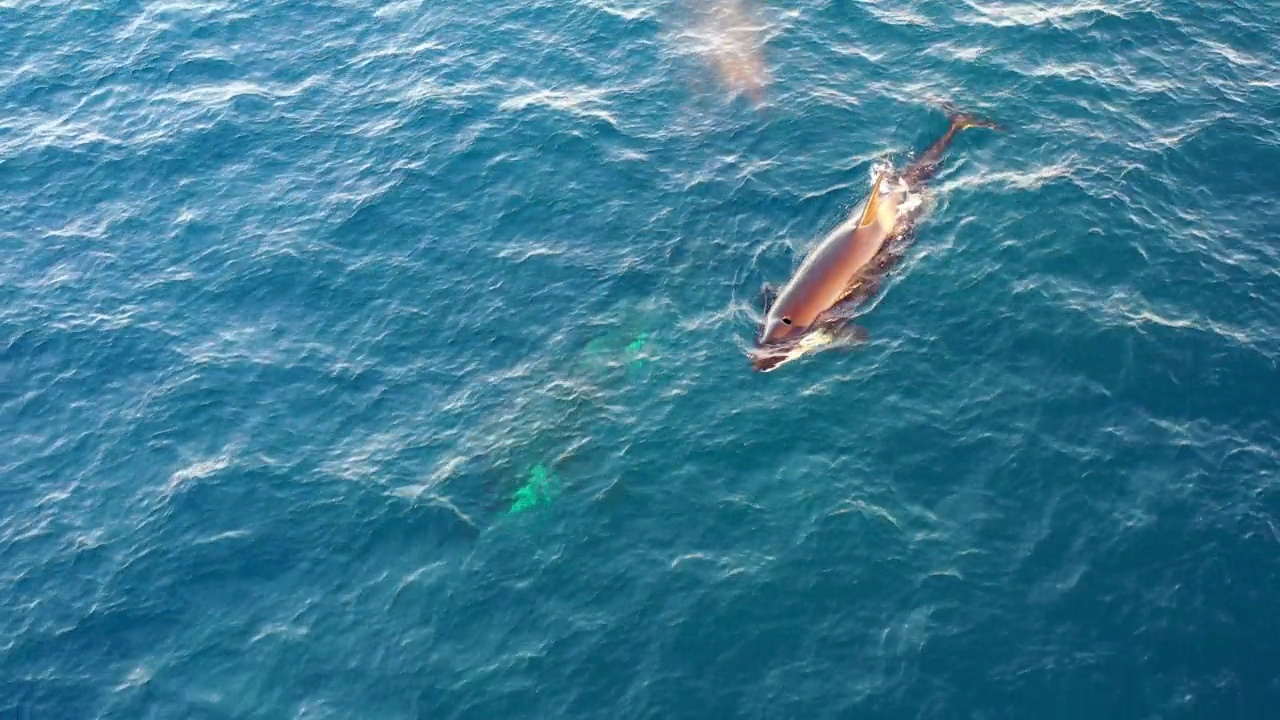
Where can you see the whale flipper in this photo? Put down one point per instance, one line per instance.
(768, 294)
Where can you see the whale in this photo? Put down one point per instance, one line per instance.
(813, 309)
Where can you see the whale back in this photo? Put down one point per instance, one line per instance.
(830, 269)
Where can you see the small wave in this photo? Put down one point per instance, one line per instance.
(865, 52)
(583, 103)
(363, 458)
(1236, 56)
(896, 13)
(1029, 178)
(279, 630)
(628, 11)
(218, 93)
(397, 8)
(867, 509)
(1130, 309)
(198, 470)
(137, 677)
(60, 132)
(411, 51)
(725, 566)
(1030, 14)
(952, 50)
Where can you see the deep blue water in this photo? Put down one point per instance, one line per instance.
(297, 295)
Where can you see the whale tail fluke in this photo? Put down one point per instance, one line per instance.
(927, 164)
(964, 121)
(961, 120)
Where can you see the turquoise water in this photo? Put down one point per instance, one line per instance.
(298, 296)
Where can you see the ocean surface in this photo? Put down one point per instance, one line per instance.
(389, 360)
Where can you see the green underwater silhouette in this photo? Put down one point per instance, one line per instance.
(542, 488)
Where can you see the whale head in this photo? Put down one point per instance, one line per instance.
(772, 352)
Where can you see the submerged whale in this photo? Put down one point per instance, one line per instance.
(813, 308)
